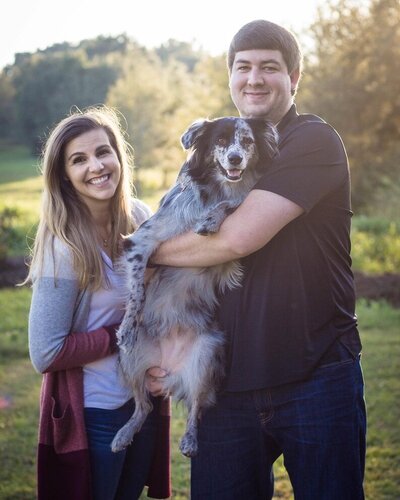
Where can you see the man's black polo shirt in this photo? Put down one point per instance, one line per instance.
(297, 295)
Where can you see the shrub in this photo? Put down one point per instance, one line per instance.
(376, 246)
(10, 237)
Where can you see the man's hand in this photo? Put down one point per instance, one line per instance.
(154, 380)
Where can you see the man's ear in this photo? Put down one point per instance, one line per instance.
(294, 80)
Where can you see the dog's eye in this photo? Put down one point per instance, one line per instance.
(248, 140)
(221, 141)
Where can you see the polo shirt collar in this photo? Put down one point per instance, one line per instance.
(288, 118)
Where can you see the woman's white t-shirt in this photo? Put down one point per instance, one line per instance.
(103, 385)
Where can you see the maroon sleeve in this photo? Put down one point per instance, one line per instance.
(82, 348)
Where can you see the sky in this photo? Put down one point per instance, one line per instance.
(28, 25)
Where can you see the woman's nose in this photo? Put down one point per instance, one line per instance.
(95, 165)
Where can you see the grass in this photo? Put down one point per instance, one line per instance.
(20, 187)
(19, 393)
(17, 164)
(20, 182)
(380, 327)
(375, 240)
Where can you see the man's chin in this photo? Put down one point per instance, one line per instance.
(261, 114)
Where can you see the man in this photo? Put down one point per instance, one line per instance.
(294, 384)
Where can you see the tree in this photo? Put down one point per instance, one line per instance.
(142, 96)
(352, 79)
(213, 73)
(48, 86)
(7, 106)
(179, 51)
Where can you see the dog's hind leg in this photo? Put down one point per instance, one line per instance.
(188, 444)
(125, 435)
(200, 377)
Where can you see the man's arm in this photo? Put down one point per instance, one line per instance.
(256, 221)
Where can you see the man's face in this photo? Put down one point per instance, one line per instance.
(261, 85)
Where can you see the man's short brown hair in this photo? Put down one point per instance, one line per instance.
(261, 34)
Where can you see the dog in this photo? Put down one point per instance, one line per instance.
(174, 317)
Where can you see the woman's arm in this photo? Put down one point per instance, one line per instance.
(81, 348)
(52, 345)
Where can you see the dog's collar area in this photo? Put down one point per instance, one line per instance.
(184, 182)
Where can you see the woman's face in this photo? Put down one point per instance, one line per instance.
(93, 168)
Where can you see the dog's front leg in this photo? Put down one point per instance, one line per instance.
(214, 218)
(138, 250)
(128, 331)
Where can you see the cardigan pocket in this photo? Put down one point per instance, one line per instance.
(63, 431)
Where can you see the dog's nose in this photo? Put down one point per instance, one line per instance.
(235, 159)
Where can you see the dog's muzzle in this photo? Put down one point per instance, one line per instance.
(233, 173)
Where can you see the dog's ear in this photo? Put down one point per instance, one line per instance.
(271, 138)
(195, 130)
(269, 134)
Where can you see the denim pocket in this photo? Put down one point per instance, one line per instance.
(338, 355)
(336, 364)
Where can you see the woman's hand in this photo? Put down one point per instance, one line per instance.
(148, 275)
(154, 380)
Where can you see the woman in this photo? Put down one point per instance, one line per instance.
(77, 303)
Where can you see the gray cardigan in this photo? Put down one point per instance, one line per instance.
(58, 307)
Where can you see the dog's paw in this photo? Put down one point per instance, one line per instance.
(120, 442)
(207, 226)
(188, 445)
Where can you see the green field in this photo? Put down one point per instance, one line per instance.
(21, 182)
(19, 393)
(375, 240)
(20, 187)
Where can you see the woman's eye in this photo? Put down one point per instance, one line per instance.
(78, 159)
(103, 152)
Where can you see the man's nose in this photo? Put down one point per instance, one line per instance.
(255, 77)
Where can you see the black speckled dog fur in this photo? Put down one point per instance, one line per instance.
(177, 308)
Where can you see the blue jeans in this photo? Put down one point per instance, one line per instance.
(119, 475)
(319, 426)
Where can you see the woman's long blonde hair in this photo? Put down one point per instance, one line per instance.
(64, 215)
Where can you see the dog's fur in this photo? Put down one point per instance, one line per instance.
(178, 310)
